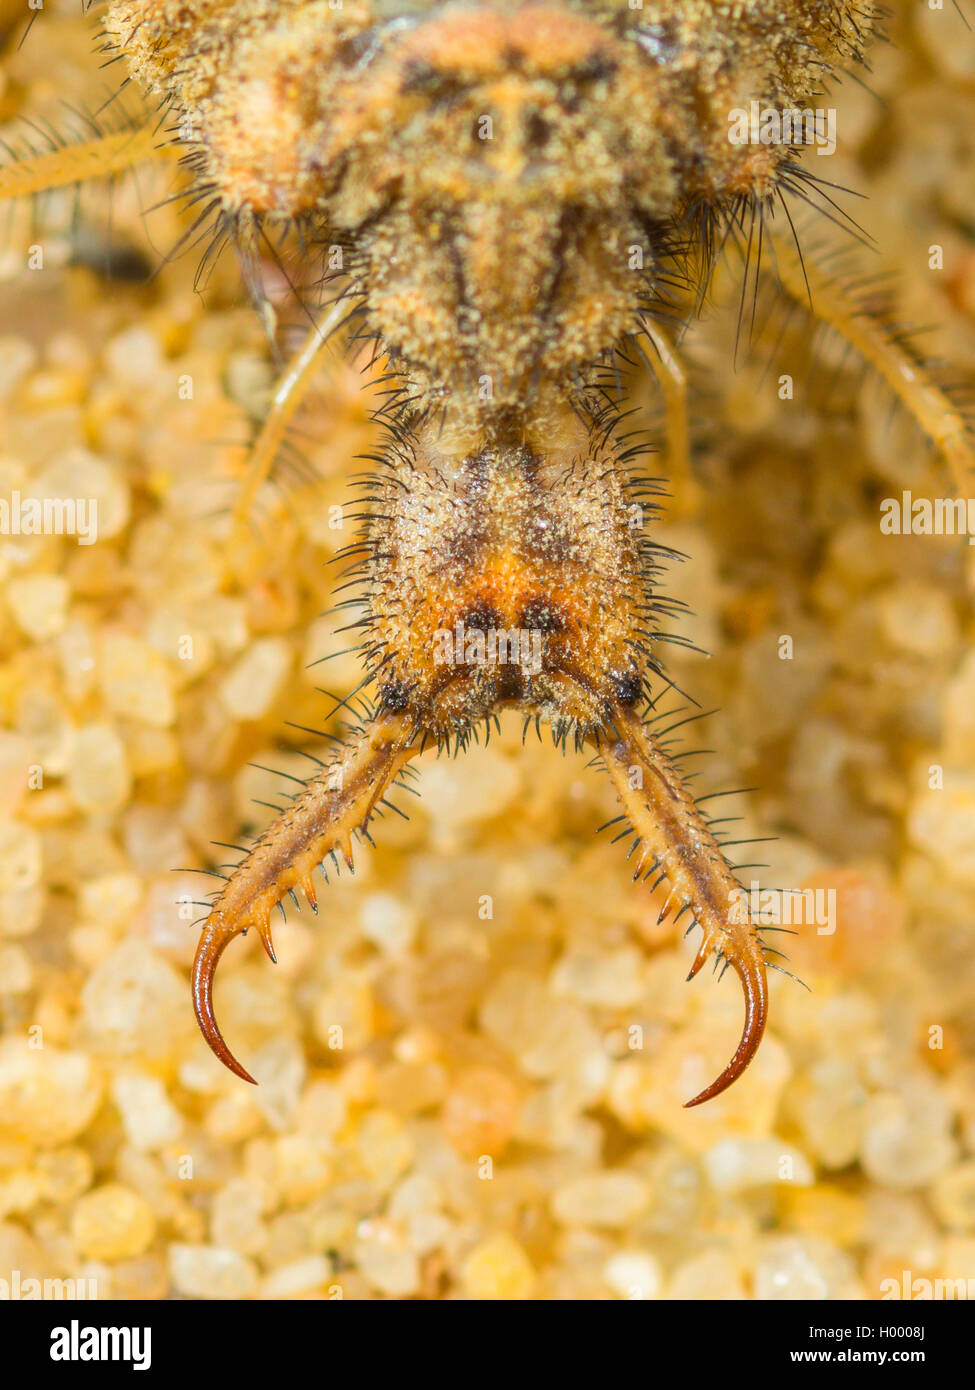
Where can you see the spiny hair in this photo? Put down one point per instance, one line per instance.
(523, 196)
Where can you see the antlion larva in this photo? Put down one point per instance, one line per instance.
(524, 195)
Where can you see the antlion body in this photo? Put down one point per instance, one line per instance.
(516, 190)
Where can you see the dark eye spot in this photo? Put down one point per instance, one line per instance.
(395, 696)
(627, 688)
(538, 615)
(483, 619)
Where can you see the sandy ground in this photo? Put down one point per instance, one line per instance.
(472, 1063)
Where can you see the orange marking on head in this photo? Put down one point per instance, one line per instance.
(479, 43)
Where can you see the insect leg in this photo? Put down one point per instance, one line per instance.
(292, 388)
(674, 838)
(811, 286)
(664, 361)
(91, 159)
(321, 820)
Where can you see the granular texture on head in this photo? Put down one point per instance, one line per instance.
(550, 548)
(513, 180)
